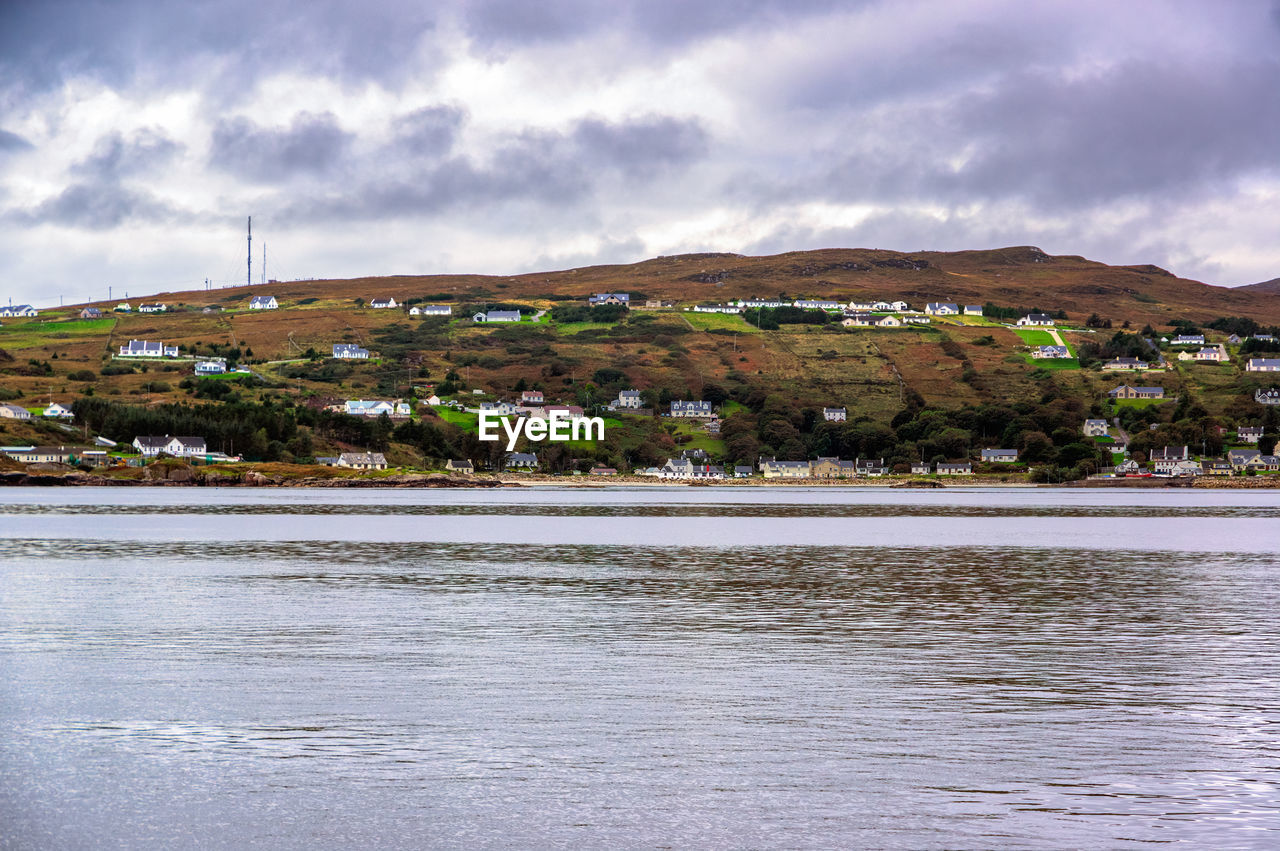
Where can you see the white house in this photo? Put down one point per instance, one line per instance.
(59, 412)
(181, 447)
(887, 321)
(1036, 319)
(123, 307)
(759, 302)
(1263, 365)
(815, 304)
(973, 310)
(382, 303)
(1000, 456)
(623, 299)
(716, 308)
(1187, 340)
(375, 408)
(349, 351)
(497, 316)
(263, 302)
(531, 397)
(1095, 428)
(13, 412)
(629, 399)
(148, 349)
(834, 415)
(691, 409)
(1247, 434)
(19, 311)
(431, 310)
(158, 307)
(1050, 352)
(362, 460)
(211, 366)
(941, 308)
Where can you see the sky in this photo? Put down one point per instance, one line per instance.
(504, 136)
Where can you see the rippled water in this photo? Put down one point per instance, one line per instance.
(639, 668)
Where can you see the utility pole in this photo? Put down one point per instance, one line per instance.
(248, 278)
(264, 262)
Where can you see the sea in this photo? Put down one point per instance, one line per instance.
(686, 667)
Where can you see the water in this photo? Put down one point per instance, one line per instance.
(638, 668)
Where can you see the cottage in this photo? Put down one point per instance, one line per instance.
(815, 304)
(1245, 459)
(156, 307)
(501, 409)
(1267, 397)
(941, 308)
(1124, 391)
(349, 351)
(771, 468)
(20, 310)
(56, 411)
(682, 408)
(150, 446)
(1125, 363)
(684, 469)
(629, 399)
(1249, 434)
(832, 468)
(1000, 456)
(887, 321)
(760, 302)
(1215, 467)
(1043, 352)
(603, 471)
(525, 461)
(1036, 320)
(123, 307)
(871, 467)
(362, 460)
(1234, 340)
(743, 471)
(531, 397)
(921, 468)
(961, 469)
(13, 412)
(148, 349)
(1164, 460)
(1187, 340)
(376, 408)
(1095, 428)
(623, 299)
(382, 303)
(658, 304)
(90, 313)
(211, 366)
(857, 320)
(497, 316)
(1126, 467)
(1270, 463)
(716, 308)
(463, 466)
(263, 302)
(1210, 354)
(431, 310)
(55, 455)
(916, 320)
(834, 415)
(1263, 365)
(973, 310)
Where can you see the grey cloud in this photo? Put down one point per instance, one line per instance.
(114, 156)
(643, 146)
(429, 132)
(311, 145)
(10, 142)
(96, 206)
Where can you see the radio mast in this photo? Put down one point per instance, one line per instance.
(248, 277)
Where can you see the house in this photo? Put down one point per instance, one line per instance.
(629, 399)
(157, 307)
(211, 366)
(180, 447)
(815, 304)
(382, 303)
(13, 412)
(1188, 467)
(921, 468)
(1234, 340)
(743, 471)
(771, 468)
(683, 468)
(520, 461)
(1042, 352)
(431, 310)
(1036, 319)
(832, 468)
(376, 408)
(760, 302)
(91, 313)
(362, 460)
(1245, 459)
(1267, 397)
(433, 400)
(623, 299)
(857, 319)
(699, 455)
(1164, 460)
(834, 415)
(123, 307)
(1263, 365)
(1270, 463)
(1125, 363)
(19, 311)
(603, 471)
(55, 455)
(263, 302)
(1127, 466)
(1095, 428)
(691, 409)
(531, 397)
(1211, 354)
(916, 320)
(463, 466)
(497, 316)
(502, 409)
(941, 308)
(1266, 338)
(716, 308)
(1124, 391)
(1215, 467)
(1187, 340)
(871, 467)
(961, 469)
(973, 310)
(1247, 434)
(57, 411)
(349, 351)
(148, 349)
(658, 304)
(887, 322)
(1000, 456)
(548, 410)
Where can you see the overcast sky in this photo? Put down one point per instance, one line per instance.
(505, 136)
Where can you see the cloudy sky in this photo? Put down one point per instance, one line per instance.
(503, 136)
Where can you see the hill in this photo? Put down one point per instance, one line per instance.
(777, 374)
(1271, 287)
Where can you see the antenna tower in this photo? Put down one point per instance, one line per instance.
(248, 277)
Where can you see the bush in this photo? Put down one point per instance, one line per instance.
(82, 375)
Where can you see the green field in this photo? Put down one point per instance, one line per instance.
(1136, 403)
(39, 332)
(566, 329)
(1035, 337)
(722, 321)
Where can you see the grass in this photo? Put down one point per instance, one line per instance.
(1136, 403)
(1053, 363)
(1035, 337)
(566, 329)
(719, 321)
(38, 332)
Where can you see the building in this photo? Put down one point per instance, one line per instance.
(497, 316)
(1124, 391)
(157, 307)
(832, 468)
(58, 412)
(180, 447)
(431, 310)
(1000, 456)
(56, 455)
(623, 299)
(1187, 340)
(1211, 354)
(1245, 459)
(916, 320)
(941, 308)
(886, 321)
(743, 471)
(1215, 467)
(815, 304)
(962, 469)
(1267, 397)
(531, 397)
(771, 468)
(463, 466)
(691, 409)
(1043, 352)
(835, 415)
(502, 409)
(382, 303)
(13, 412)
(973, 310)
(211, 366)
(921, 468)
(19, 311)
(362, 460)
(91, 313)
(658, 304)
(521, 461)
(123, 307)
(1125, 363)
(1263, 365)
(760, 302)
(1036, 320)
(1095, 428)
(148, 349)
(375, 408)
(629, 399)
(263, 302)
(604, 471)
(716, 308)
(1166, 459)
(349, 351)
(871, 467)
(685, 469)
(1247, 434)
(862, 320)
